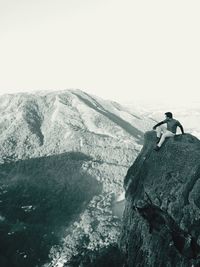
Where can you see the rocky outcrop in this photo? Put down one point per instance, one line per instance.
(161, 221)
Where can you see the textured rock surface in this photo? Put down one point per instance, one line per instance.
(161, 221)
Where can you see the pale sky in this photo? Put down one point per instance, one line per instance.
(122, 50)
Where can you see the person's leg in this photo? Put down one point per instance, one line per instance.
(164, 136)
(158, 132)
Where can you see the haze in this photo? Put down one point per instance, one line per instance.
(128, 51)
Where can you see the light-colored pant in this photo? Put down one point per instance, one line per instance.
(163, 133)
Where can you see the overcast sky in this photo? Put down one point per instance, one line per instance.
(123, 50)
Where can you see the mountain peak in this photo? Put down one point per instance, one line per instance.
(61, 121)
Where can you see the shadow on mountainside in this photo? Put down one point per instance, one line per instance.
(39, 198)
(126, 126)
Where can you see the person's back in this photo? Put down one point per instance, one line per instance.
(172, 125)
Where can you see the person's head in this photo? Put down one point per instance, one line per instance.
(168, 115)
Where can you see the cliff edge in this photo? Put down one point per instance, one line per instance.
(161, 220)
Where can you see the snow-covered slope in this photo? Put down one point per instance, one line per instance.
(39, 131)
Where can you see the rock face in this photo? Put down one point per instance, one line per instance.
(161, 220)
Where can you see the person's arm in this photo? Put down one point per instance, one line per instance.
(181, 127)
(158, 124)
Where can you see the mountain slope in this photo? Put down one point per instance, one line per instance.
(102, 136)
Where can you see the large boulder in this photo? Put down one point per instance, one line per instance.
(161, 220)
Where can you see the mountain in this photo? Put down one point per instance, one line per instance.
(63, 159)
(162, 212)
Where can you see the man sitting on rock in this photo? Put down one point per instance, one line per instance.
(172, 125)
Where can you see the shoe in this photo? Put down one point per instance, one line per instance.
(157, 148)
